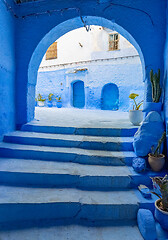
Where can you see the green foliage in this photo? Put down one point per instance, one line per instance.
(58, 99)
(40, 98)
(156, 89)
(163, 184)
(156, 152)
(137, 105)
(50, 96)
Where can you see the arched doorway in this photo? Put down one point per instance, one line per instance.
(54, 34)
(110, 97)
(78, 94)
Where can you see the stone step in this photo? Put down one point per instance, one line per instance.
(75, 141)
(72, 231)
(77, 155)
(21, 172)
(20, 203)
(109, 132)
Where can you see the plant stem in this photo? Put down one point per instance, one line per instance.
(135, 104)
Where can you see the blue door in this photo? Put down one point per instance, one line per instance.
(110, 97)
(78, 94)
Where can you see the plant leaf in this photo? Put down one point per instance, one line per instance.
(156, 195)
(133, 95)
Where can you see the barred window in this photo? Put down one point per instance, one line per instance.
(113, 42)
(52, 52)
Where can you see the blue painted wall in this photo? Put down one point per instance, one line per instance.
(166, 76)
(127, 77)
(142, 22)
(7, 71)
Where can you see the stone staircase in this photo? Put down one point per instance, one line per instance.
(61, 173)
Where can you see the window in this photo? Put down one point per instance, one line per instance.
(113, 42)
(52, 52)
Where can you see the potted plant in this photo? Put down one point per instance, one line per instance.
(50, 100)
(161, 204)
(135, 115)
(155, 158)
(59, 102)
(40, 100)
(155, 105)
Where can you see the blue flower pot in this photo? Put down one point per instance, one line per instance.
(50, 104)
(161, 216)
(59, 104)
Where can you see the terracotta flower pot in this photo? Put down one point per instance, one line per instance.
(156, 163)
(136, 117)
(161, 216)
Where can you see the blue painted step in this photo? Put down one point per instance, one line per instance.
(73, 141)
(115, 132)
(76, 155)
(21, 172)
(128, 231)
(19, 204)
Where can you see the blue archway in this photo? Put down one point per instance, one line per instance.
(78, 97)
(110, 97)
(57, 32)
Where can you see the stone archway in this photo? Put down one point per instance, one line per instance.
(57, 32)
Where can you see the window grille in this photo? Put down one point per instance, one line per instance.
(113, 42)
(52, 52)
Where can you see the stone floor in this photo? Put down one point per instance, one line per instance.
(74, 232)
(81, 118)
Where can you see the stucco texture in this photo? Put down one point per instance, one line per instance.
(143, 24)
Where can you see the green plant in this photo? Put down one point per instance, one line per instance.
(40, 98)
(50, 97)
(162, 182)
(156, 89)
(156, 151)
(137, 105)
(58, 99)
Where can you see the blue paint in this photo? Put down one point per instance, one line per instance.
(126, 19)
(161, 217)
(78, 94)
(96, 77)
(151, 126)
(59, 104)
(110, 97)
(108, 132)
(146, 224)
(7, 71)
(53, 140)
(139, 164)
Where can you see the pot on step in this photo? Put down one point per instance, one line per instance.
(135, 117)
(156, 163)
(161, 216)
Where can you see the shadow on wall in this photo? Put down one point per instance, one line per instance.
(110, 97)
(78, 94)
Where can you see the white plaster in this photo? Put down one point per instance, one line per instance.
(49, 195)
(73, 117)
(94, 45)
(50, 167)
(70, 137)
(75, 151)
